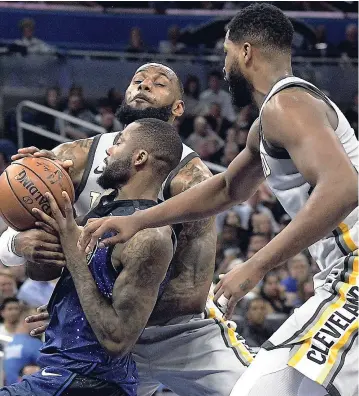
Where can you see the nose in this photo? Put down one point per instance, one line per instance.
(145, 85)
(110, 150)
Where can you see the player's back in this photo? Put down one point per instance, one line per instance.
(293, 191)
(69, 339)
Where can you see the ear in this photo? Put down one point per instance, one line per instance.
(247, 52)
(141, 157)
(178, 108)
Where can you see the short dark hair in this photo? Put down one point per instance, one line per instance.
(263, 24)
(162, 141)
(8, 300)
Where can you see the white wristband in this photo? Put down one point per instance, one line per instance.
(7, 255)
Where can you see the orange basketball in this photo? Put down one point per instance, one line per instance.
(23, 185)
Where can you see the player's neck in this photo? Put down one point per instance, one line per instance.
(10, 327)
(139, 188)
(263, 82)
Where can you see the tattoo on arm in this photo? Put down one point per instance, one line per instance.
(193, 173)
(77, 152)
(118, 323)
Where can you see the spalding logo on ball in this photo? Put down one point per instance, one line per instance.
(23, 185)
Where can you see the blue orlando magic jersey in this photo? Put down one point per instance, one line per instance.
(69, 339)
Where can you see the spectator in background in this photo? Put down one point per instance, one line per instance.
(229, 237)
(245, 210)
(52, 100)
(76, 108)
(352, 115)
(23, 350)
(106, 118)
(298, 267)
(8, 286)
(115, 99)
(136, 43)
(272, 292)
(230, 152)
(261, 223)
(203, 140)
(255, 332)
(28, 40)
(230, 260)
(218, 123)
(284, 221)
(10, 312)
(214, 94)
(350, 45)
(258, 241)
(173, 45)
(192, 89)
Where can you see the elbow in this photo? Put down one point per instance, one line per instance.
(116, 348)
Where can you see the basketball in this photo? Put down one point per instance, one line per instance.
(23, 186)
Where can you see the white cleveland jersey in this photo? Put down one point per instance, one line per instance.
(293, 191)
(88, 190)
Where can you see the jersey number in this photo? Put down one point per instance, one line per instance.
(266, 168)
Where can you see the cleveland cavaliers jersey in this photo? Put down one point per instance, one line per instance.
(293, 191)
(88, 190)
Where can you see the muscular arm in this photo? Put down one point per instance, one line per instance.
(77, 152)
(299, 122)
(214, 195)
(145, 260)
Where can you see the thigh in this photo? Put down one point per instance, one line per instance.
(202, 356)
(270, 375)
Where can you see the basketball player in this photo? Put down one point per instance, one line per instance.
(181, 347)
(309, 156)
(102, 302)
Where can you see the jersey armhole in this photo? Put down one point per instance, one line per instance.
(87, 170)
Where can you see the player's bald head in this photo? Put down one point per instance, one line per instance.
(166, 71)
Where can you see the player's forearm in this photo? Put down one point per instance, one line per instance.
(199, 202)
(323, 212)
(98, 311)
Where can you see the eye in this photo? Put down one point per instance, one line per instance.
(160, 84)
(137, 81)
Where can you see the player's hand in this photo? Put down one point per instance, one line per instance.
(235, 285)
(39, 246)
(64, 224)
(41, 316)
(125, 227)
(33, 151)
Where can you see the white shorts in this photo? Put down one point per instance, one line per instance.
(321, 337)
(193, 356)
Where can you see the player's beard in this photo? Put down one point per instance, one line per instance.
(127, 114)
(116, 174)
(239, 87)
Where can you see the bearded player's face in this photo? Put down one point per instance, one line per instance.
(152, 93)
(239, 87)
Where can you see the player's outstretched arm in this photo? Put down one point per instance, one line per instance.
(203, 200)
(298, 122)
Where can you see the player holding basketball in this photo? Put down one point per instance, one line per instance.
(185, 348)
(102, 302)
(309, 156)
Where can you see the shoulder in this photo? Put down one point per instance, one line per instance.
(148, 244)
(194, 172)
